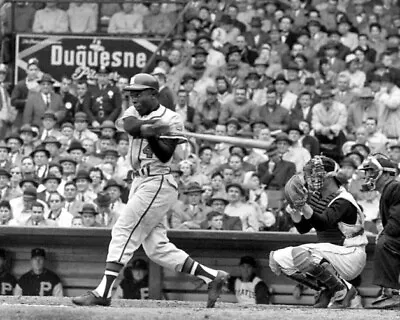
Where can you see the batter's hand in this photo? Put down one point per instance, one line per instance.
(155, 129)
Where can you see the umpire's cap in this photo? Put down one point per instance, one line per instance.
(38, 252)
(248, 260)
(142, 81)
(139, 264)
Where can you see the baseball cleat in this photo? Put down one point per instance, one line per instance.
(90, 299)
(343, 302)
(323, 298)
(215, 288)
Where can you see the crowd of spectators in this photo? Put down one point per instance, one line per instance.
(305, 77)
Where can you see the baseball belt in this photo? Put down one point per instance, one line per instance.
(147, 172)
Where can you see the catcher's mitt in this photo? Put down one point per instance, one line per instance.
(295, 192)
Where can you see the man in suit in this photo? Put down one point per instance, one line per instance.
(69, 100)
(298, 14)
(5, 150)
(20, 92)
(255, 38)
(72, 204)
(285, 26)
(81, 128)
(303, 110)
(331, 52)
(41, 158)
(248, 54)
(275, 172)
(14, 142)
(192, 214)
(107, 99)
(5, 190)
(83, 103)
(51, 183)
(52, 145)
(49, 120)
(39, 102)
(184, 110)
(165, 95)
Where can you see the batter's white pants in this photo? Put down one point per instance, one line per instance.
(348, 262)
(143, 222)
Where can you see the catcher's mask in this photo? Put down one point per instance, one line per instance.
(374, 167)
(317, 170)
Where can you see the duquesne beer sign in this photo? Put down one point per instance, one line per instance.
(69, 55)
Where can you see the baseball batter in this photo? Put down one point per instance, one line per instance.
(324, 266)
(153, 192)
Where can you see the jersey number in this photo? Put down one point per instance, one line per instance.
(148, 152)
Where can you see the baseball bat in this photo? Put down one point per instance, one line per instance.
(236, 141)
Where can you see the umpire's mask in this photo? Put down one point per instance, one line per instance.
(374, 168)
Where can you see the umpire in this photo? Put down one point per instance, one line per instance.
(39, 281)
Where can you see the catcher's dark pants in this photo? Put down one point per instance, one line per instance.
(387, 262)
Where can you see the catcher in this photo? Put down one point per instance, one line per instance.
(321, 202)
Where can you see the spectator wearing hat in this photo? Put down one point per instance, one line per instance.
(126, 21)
(348, 38)
(255, 37)
(7, 280)
(239, 107)
(49, 120)
(67, 131)
(361, 109)
(37, 216)
(14, 142)
(215, 58)
(390, 112)
(234, 62)
(249, 289)
(76, 151)
(68, 165)
(189, 215)
(210, 108)
(285, 98)
(4, 156)
(272, 113)
(255, 92)
(71, 204)
(343, 92)
(156, 22)
(39, 281)
(202, 81)
(51, 183)
(41, 158)
(275, 172)
(106, 215)
(238, 207)
(115, 189)
(364, 63)
(38, 103)
(5, 190)
(218, 203)
(135, 283)
(225, 33)
(50, 20)
(81, 128)
(331, 52)
(83, 181)
(27, 135)
(88, 214)
(107, 99)
(166, 95)
(296, 153)
(329, 120)
(52, 145)
(57, 212)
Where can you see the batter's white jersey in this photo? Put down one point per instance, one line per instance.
(140, 153)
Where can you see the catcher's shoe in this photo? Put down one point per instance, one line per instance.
(322, 298)
(215, 288)
(90, 299)
(337, 302)
(388, 303)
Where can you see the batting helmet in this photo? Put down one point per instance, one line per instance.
(142, 81)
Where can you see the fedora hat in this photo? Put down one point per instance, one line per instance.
(24, 180)
(76, 145)
(280, 77)
(234, 121)
(236, 185)
(49, 114)
(28, 128)
(110, 152)
(112, 183)
(46, 78)
(88, 208)
(40, 149)
(14, 136)
(326, 93)
(366, 93)
(107, 124)
(67, 159)
(193, 187)
(81, 116)
(82, 174)
(51, 176)
(51, 139)
(4, 172)
(283, 136)
(219, 196)
(256, 22)
(3, 145)
(103, 199)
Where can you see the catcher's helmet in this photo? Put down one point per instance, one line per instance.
(374, 166)
(142, 81)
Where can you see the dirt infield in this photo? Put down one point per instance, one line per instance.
(29, 308)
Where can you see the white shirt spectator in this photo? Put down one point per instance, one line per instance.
(82, 18)
(64, 220)
(50, 19)
(122, 22)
